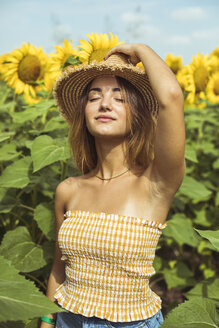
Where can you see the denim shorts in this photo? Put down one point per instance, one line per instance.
(72, 320)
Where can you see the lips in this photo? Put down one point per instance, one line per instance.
(107, 117)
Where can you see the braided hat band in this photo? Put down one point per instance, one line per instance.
(69, 87)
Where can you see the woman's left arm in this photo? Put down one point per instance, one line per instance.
(169, 163)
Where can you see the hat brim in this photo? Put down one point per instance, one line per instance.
(69, 87)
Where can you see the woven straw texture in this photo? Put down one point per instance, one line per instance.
(69, 87)
(109, 261)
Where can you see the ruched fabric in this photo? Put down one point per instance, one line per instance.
(108, 263)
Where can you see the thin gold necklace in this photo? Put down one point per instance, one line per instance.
(116, 176)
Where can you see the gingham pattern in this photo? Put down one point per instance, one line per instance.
(109, 261)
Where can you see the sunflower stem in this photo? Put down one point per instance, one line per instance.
(28, 275)
(64, 170)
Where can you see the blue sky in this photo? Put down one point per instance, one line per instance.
(180, 27)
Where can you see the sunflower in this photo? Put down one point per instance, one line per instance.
(197, 78)
(24, 69)
(213, 88)
(215, 52)
(181, 76)
(214, 64)
(175, 63)
(97, 47)
(58, 59)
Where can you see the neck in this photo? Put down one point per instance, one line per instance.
(111, 159)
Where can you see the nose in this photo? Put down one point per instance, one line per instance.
(106, 103)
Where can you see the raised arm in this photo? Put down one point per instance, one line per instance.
(168, 167)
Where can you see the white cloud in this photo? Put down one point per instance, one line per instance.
(133, 18)
(178, 40)
(189, 13)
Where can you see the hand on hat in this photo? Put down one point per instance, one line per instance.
(128, 49)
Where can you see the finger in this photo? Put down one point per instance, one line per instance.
(111, 51)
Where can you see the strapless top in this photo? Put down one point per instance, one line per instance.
(108, 264)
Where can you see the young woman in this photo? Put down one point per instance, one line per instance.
(127, 135)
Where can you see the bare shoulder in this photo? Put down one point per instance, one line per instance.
(63, 190)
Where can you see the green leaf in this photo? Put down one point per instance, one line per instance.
(35, 323)
(13, 324)
(8, 107)
(195, 313)
(217, 199)
(54, 124)
(179, 276)
(6, 135)
(212, 236)
(8, 152)
(201, 218)
(16, 175)
(7, 199)
(207, 288)
(32, 112)
(18, 247)
(207, 148)
(43, 105)
(72, 60)
(181, 230)
(157, 264)
(44, 216)
(48, 250)
(46, 150)
(19, 298)
(5, 91)
(204, 245)
(216, 164)
(190, 153)
(194, 190)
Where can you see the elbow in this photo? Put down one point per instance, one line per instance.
(174, 95)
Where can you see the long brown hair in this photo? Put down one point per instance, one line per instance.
(140, 140)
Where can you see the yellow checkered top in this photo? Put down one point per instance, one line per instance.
(108, 263)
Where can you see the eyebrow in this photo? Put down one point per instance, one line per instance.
(100, 90)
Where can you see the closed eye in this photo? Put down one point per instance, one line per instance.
(93, 99)
(119, 100)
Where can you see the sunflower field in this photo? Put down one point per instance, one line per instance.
(35, 158)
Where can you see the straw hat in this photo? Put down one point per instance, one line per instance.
(69, 87)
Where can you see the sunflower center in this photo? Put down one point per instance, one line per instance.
(201, 78)
(98, 55)
(29, 69)
(216, 87)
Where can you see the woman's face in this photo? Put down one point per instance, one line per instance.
(106, 111)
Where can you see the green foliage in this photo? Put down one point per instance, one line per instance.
(19, 298)
(18, 247)
(43, 215)
(45, 151)
(212, 236)
(35, 157)
(16, 175)
(179, 276)
(206, 289)
(195, 313)
(180, 229)
(72, 60)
